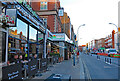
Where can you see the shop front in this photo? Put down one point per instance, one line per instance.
(64, 44)
(21, 39)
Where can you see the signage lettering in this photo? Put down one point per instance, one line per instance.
(13, 75)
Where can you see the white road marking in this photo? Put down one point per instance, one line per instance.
(88, 74)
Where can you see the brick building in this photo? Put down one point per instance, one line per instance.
(101, 43)
(112, 40)
(48, 11)
(66, 24)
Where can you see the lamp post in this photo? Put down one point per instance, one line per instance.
(77, 33)
(74, 45)
(117, 35)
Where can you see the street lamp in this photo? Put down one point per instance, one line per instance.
(77, 46)
(117, 34)
(78, 31)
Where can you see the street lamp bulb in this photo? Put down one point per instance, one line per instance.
(110, 23)
(83, 24)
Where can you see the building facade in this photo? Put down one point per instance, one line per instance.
(66, 24)
(101, 43)
(48, 11)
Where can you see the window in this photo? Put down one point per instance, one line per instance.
(17, 39)
(32, 34)
(33, 40)
(45, 21)
(43, 6)
(20, 31)
(40, 42)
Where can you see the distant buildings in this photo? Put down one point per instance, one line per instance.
(109, 41)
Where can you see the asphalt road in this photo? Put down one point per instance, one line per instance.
(98, 69)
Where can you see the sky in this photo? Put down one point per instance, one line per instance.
(96, 14)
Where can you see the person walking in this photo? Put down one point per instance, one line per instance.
(78, 57)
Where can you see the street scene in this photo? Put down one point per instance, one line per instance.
(59, 40)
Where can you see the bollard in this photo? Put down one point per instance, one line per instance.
(105, 59)
(99, 57)
(110, 60)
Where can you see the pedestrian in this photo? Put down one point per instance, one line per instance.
(26, 56)
(35, 56)
(31, 57)
(21, 58)
(13, 60)
(78, 57)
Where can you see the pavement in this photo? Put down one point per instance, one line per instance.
(66, 67)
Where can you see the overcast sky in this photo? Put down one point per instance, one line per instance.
(96, 14)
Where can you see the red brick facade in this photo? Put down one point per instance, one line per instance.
(53, 20)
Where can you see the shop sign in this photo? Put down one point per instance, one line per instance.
(11, 16)
(58, 36)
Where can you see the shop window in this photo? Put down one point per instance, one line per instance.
(33, 40)
(32, 34)
(17, 40)
(43, 6)
(20, 31)
(40, 46)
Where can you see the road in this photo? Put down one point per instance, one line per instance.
(98, 69)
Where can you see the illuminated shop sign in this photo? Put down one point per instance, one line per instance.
(58, 37)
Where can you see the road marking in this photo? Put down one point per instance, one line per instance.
(107, 67)
(87, 71)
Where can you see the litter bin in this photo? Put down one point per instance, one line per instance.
(59, 77)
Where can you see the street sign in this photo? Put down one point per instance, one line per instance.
(61, 11)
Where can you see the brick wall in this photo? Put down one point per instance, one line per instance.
(50, 22)
(35, 6)
(51, 5)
